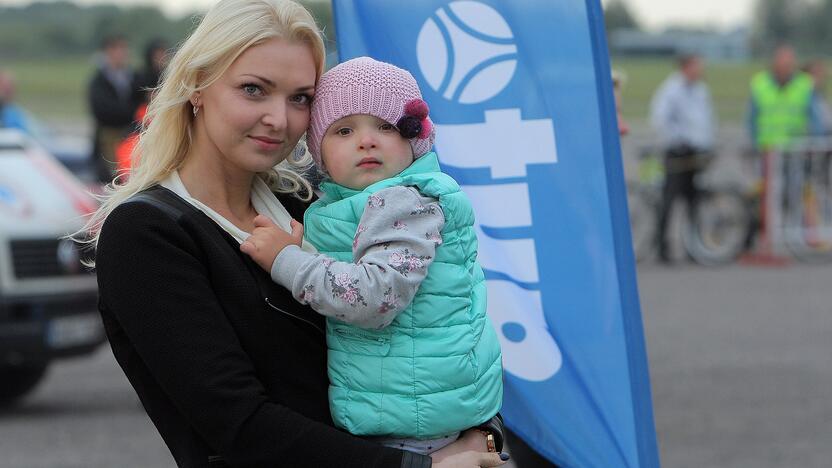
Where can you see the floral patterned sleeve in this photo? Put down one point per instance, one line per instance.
(393, 247)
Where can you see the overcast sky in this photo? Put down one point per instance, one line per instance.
(654, 14)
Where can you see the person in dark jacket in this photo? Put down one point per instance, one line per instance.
(112, 100)
(147, 79)
(156, 55)
(228, 366)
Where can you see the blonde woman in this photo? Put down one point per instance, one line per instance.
(230, 369)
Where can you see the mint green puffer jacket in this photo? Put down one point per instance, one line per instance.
(437, 368)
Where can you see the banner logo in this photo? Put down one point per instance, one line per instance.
(466, 52)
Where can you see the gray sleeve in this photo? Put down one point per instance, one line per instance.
(393, 247)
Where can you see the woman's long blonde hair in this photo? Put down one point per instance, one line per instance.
(226, 31)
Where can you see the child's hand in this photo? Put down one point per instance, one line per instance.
(267, 240)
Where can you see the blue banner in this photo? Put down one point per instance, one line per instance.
(521, 96)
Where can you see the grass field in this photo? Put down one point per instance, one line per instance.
(728, 83)
(56, 90)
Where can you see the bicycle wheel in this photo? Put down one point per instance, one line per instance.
(642, 209)
(718, 233)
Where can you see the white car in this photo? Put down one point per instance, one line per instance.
(48, 299)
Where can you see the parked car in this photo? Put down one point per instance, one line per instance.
(47, 297)
(68, 143)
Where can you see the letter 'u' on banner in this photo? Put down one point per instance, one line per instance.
(521, 95)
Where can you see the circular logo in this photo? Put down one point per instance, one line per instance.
(466, 52)
(68, 257)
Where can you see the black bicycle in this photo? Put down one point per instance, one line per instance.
(714, 235)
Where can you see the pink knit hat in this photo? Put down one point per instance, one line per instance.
(366, 86)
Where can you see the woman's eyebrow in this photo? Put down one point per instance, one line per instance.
(264, 80)
(302, 89)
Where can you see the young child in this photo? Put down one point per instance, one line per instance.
(413, 358)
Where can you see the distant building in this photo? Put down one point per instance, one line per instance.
(714, 46)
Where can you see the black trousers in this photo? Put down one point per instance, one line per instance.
(524, 456)
(681, 169)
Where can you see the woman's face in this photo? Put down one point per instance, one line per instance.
(254, 115)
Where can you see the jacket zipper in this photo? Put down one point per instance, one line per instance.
(293, 315)
(346, 334)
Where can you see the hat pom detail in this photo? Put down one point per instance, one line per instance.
(417, 108)
(409, 126)
(427, 127)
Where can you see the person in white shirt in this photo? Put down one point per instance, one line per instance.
(682, 114)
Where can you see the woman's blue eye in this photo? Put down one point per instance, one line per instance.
(252, 89)
(302, 99)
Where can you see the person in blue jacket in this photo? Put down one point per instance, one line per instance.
(11, 115)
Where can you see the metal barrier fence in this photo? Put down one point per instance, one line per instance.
(797, 200)
(790, 211)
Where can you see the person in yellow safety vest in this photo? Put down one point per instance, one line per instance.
(783, 103)
(784, 106)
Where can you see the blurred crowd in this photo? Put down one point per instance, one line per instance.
(117, 97)
(786, 103)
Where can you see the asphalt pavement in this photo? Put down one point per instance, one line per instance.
(740, 360)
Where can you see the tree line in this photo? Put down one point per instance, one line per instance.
(47, 30)
(43, 30)
(805, 24)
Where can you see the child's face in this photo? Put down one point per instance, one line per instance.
(359, 150)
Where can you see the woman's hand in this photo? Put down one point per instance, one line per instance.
(470, 450)
(471, 459)
(471, 440)
(267, 240)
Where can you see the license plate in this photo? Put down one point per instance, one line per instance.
(74, 330)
